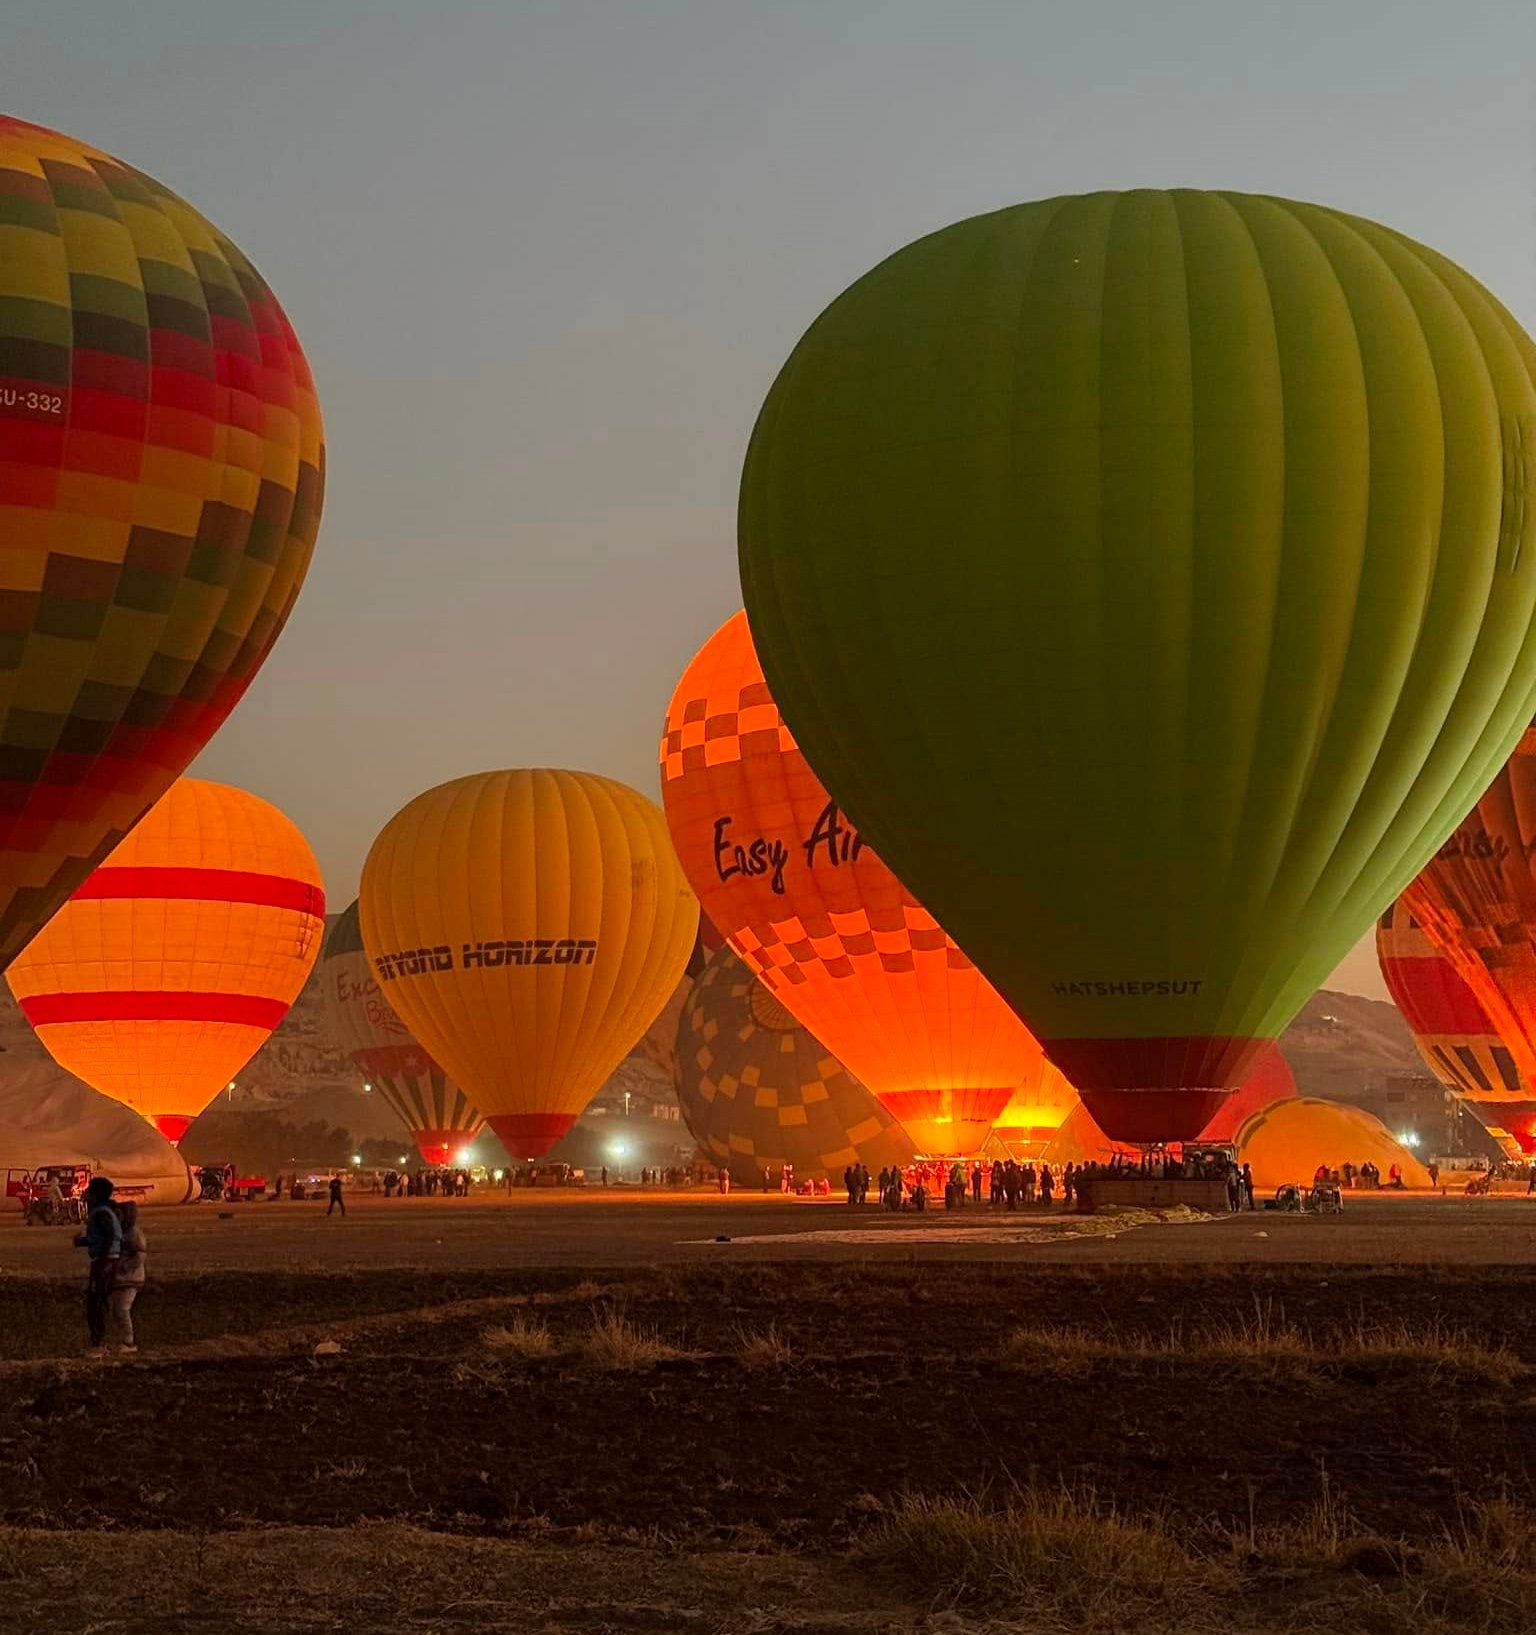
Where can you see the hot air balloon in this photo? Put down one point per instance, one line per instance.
(438, 1115)
(1149, 577)
(1460, 1046)
(758, 1090)
(1269, 1081)
(1287, 1141)
(819, 918)
(161, 467)
(527, 926)
(167, 970)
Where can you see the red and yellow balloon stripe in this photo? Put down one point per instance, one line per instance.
(167, 970)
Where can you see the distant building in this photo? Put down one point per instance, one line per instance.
(1425, 1116)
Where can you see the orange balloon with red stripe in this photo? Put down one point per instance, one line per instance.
(169, 967)
(825, 925)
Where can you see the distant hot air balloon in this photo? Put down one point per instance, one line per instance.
(1150, 577)
(819, 918)
(161, 467)
(438, 1115)
(1459, 1044)
(527, 926)
(167, 970)
(758, 1090)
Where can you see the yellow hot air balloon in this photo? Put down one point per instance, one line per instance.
(527, 926)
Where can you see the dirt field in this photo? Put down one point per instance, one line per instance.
(561, 1413)
(558, 1228)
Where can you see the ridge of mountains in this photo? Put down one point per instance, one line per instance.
(1338, 1043)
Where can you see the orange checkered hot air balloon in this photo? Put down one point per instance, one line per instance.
(161, 469)
(822, 921)
(167, 970)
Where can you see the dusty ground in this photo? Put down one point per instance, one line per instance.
(1193, 1372)
(557, 1228)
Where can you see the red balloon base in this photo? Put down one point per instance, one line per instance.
(435, 1147)
(1146, 1118)
(173, 1126)
(530, 1135)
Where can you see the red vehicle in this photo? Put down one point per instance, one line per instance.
(51, 1195)
(219, 1183)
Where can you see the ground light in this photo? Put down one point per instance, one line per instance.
(357, 1158)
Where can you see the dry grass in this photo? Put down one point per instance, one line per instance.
(1266, 1337)
(613, 1342)
(524, 1338)
(1071, 1561)
(764, 1348)
(1080, 1565)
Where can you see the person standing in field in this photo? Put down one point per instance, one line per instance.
(102, 1241)
(128, 1278)
(337, 1201)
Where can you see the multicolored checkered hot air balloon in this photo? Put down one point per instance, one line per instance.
(427, 1102)
(166, 971)
(759, 1091)
(822, 921)
(161, 468)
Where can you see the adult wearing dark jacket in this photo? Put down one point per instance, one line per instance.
(102, 1241)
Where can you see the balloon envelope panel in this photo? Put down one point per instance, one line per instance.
(437, 1113)
(821, 920)
(758, 1090)
(1458, 1042)
(161, 470)
(1149, 576)
(168, 969)
(527, 926)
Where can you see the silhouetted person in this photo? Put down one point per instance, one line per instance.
(1248, 1184)
(102, 1241)
(337, 1201)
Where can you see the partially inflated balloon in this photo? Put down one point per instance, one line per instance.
(527, 927)
(758, 1090)
(161, 466)
(821, 920)
(1459, 1044)
(1150, 576)
(439, 1116)
(167, 970)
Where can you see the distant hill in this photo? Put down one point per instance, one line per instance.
(1338, 1045)
(1341, 1042)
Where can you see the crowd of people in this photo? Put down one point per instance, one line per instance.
(428, 1183)
(1009, 1184)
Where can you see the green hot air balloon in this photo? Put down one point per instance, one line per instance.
(1150, 577)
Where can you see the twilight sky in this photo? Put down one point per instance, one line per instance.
(547, 257)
